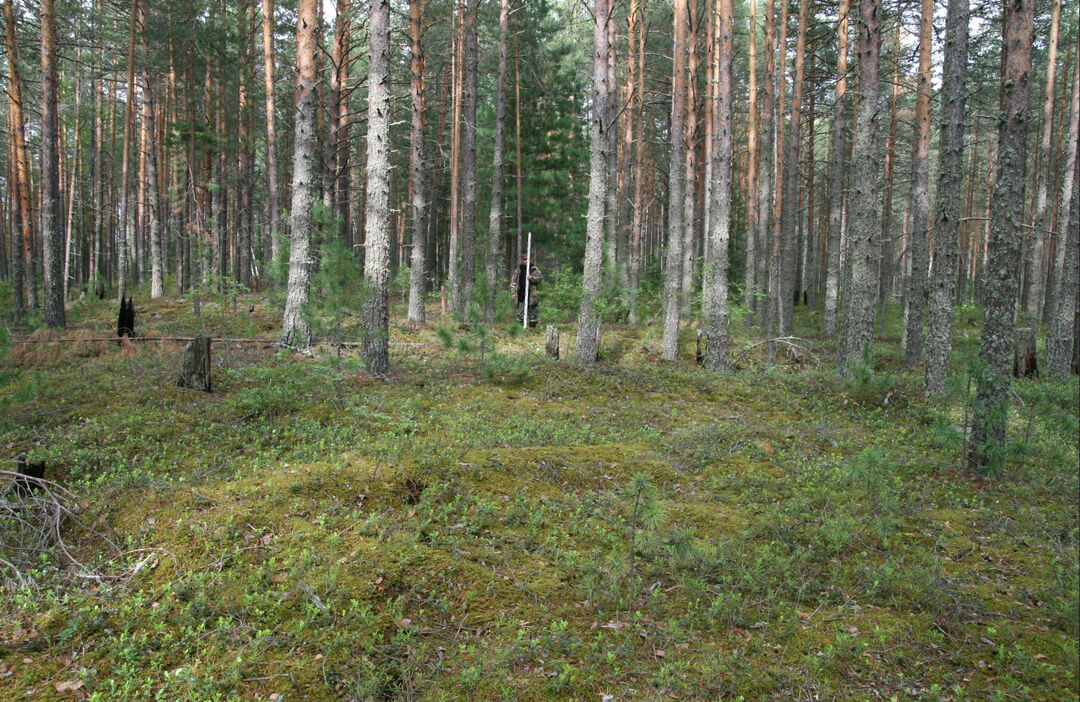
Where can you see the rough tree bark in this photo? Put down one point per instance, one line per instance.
(715, 286)
(915, 291)
(295, 330)
(152, 205)
(52, 232)
(375, 348)
(417, 292)
(986, 442)
(765, 182)
(837, 149)
(22, 205)
(1036, 264)
(272, 196)
(588, 335)
(676, 173)
(468, 155)
(791, 190)
(495, 235)
(950, 201)
(639, 163)
(690, 184)
(1062, 316)
(750, 281)
(857, 331)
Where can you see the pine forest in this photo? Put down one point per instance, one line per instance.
(540, 349)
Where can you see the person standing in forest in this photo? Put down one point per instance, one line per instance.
(517, 288)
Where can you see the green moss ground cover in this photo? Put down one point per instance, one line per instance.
(518, 528)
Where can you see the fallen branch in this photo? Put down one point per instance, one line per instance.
(788, 341)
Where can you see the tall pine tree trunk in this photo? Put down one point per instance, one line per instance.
(127, 217)
(915, 291)
(1062, 316)
(375, 348)
(765, 182)
(588, 334)
(791, 189)
(857, 332)
(638, 225)
(986, 443)
(469, 99)
(495, 235)
(750, 280)
(690, 184)
(837, 149)
(950, 201)
(152, 206)
(676, 175)
(417, 181)
(1036, 262)
(52, 232)
(273, 198)
(715, 297)
(22, 208)
(295, 330)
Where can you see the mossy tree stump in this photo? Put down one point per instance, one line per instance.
(195, 371)
(1025, 362)
(551, 344)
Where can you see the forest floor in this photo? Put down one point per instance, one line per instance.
(509, 526)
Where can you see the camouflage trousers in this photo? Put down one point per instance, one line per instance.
(532, 313)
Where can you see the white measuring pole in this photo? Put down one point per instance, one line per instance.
(528, 266)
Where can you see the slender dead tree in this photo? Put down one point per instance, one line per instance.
(375, 348)
(950, 201)
(295, 330)
(986, 442)
(588, 335)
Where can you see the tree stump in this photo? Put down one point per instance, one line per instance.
(551, 345)
(30, 477)
(1025, 362)
(125, 321)
(195, 371)
(702, 344)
